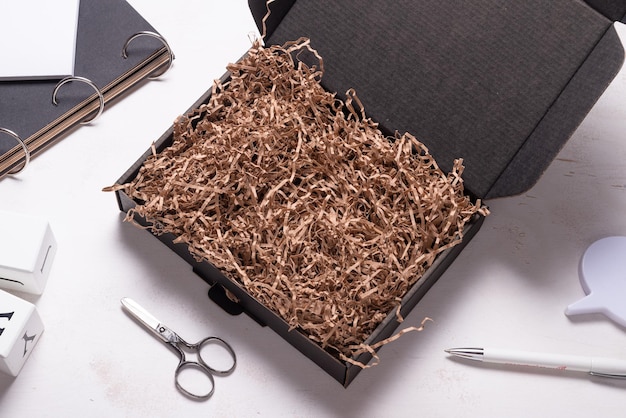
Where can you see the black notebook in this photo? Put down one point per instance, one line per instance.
(104, 30)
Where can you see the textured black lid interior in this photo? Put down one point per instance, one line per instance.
(613, 9)
(481, 80)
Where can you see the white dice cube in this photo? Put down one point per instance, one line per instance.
(27, 248)
(20, 330)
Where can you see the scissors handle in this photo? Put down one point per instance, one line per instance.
(183, 387)
(203, 347)
(202, 365)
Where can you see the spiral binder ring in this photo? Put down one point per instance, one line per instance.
(24, 147)
(86, 81)
(153, 35)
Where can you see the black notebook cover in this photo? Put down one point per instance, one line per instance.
(26, 107)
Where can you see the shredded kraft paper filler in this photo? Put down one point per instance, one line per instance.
(301, 199)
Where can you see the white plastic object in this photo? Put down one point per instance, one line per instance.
(27, 249)
(603, 278)
(20, 329)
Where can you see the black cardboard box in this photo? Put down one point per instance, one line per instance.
(501, 84)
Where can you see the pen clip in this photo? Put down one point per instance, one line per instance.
(612, 376)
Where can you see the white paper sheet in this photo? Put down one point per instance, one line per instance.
(37, 38)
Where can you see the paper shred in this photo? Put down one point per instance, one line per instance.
(300, 198)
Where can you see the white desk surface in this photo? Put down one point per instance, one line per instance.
(508, 288)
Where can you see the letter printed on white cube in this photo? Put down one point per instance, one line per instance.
(27, 248)
(20, 330)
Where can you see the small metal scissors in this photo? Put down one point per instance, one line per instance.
(172, 340)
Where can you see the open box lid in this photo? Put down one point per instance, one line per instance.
(502, 85)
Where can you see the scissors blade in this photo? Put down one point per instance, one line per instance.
(143, 316)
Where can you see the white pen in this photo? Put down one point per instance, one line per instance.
(597, 366)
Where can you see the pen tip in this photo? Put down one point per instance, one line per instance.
(447, 350)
